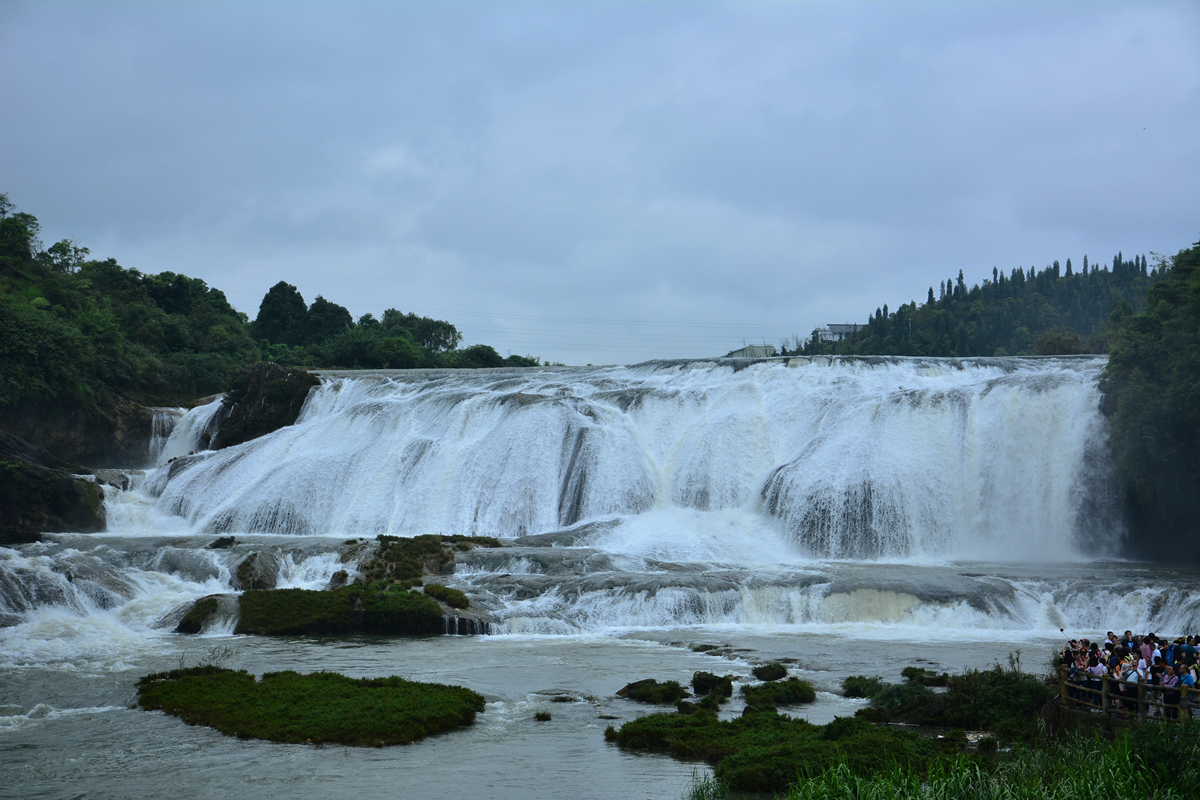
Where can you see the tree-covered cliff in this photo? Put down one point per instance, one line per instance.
(1152, 387)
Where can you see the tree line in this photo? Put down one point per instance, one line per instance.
(1052, 311)
(73, 328)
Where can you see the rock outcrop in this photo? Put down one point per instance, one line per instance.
(39, 493)
(264, 398)
(109, 432)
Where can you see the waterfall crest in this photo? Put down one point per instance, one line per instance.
(845, 458)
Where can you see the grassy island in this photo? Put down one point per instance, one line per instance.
(323, 707)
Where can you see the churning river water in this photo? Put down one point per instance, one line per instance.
(847, 516)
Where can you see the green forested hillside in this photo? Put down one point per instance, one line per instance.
(1052, 312)
(72, 327)
(1152, 387)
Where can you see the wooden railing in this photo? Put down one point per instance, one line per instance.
(1128, 698)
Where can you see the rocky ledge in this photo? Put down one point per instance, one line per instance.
(39, 492)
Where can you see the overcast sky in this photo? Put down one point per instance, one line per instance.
(603, 182)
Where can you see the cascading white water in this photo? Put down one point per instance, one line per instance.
(849, 458)
(186, 434)
(162, 425)
(819, 492)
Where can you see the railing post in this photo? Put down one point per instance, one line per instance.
(1104, 694)
(1141, 701)
(1062, 677)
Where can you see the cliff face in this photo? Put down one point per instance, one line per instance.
(39, 493)
(111, 432)
(265, 398)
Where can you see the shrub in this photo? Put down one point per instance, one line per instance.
(862, 686)
(770, 672)
(542, 716)
(706, 682)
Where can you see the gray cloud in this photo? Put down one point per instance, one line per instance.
(604, 182)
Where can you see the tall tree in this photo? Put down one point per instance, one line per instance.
(325, 321)
(282, 316)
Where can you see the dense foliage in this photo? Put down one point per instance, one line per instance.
(1152, 383)
(1054, 311)
(71, 326)
(1150, 761)
(763, 752)
(317, 708)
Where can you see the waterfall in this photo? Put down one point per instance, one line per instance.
(840, 458)
(162, 424)
(187, 433)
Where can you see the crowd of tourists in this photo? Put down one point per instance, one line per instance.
(1159, 667)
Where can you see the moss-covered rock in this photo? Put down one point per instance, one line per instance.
(651, 691)
(791, 692)
(262, 398)
(315, 709)
(198, 615)
(451, 597)
(862, 686)
(349, 609)
(770, 672)
(707, 683)
(405, 559)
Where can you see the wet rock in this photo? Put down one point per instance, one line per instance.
(223, 543)
(255, 572)
(337, 579)
(107, 431)
(38, 494)
(198, 615)
(264, 398)
(118, 479)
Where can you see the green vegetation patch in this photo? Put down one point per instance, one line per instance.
(406, 559)
(707, 683)
(1005, 701)
(765, 752)
(451, 597)
(651, 691)
(780, 693)
(377, 608)
(323, 707)
(770, 672)
(924, 676)
(1149, 761)
(862, 686)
